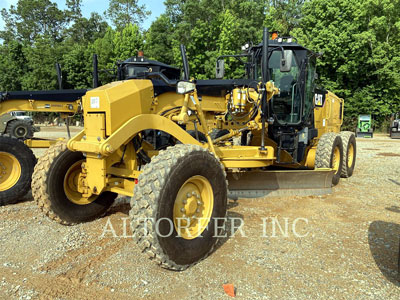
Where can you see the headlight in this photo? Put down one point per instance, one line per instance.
(185, 87)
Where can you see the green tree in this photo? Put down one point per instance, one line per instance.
(85, 30)
(201, 32)
(361, 52)
(283, 15)
(77, 67)
(41, 59)
(125, 12)
(104, 48)
(13, 66)
(159, 40)
(127, 42)
(32, 18)
(74, 11)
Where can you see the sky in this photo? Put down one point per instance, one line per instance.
(156, 7)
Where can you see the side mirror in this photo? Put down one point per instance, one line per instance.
(185, 87)
(220, 69)
(286, 61)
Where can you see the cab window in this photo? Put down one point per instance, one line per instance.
(287, 106)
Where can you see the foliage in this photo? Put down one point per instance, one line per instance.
(125, 12)
(31, 18)
(361, 52)
(159, 40)
(12, 66)
(127, 42)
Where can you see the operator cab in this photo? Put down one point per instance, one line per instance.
(139, 67)
(292, 69)
(290, 113)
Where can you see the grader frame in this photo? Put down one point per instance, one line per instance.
(110, 127)
(66, 102)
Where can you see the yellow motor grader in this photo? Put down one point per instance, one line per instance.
(177, 146)
(16, 158)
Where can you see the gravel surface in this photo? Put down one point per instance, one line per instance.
(342, 246)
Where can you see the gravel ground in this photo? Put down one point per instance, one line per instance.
(343, 246)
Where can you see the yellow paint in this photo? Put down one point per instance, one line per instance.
(118, 112)
(329, 117)
(350, 156)
(70, 107)
(10, 171)
(72, 186)
(41, 143)
(310, 158)
(336, 159)
(193, 207)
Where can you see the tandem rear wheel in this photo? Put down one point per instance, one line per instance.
(16, 167)
(349, 153)
(329, 154)
(55, 188)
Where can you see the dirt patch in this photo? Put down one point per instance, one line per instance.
(348, 247)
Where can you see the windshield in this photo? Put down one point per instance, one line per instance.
(131, 71)
(287, 106)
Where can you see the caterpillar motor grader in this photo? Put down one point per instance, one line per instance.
(16, 138)
(171, 145)
(16, 158)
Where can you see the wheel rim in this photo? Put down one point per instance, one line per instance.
(193, 207)
(20, 132)
(336, 159)
(350, 156)
(71, 185)
(10, 171)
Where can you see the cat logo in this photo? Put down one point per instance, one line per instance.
(319, 100)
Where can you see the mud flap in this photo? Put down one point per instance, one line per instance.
(256, 184)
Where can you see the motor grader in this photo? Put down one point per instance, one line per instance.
(16, 158)
(177, 146)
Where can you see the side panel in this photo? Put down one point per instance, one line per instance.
(328, 112)
(119, 101)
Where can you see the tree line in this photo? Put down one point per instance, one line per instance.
(359, 41)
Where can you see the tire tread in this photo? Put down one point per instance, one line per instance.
(144, 203)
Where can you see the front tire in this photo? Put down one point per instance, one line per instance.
(329, 154)
(54, 190)
(16, 167)
(184, 180)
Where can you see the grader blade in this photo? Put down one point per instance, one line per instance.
(255, 184)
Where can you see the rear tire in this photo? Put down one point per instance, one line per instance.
(15, 182)
(329, 154)
(48, 188)
(156, 198)
(349, 153)
(20, 129)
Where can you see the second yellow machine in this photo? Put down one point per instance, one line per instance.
(176, 147)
